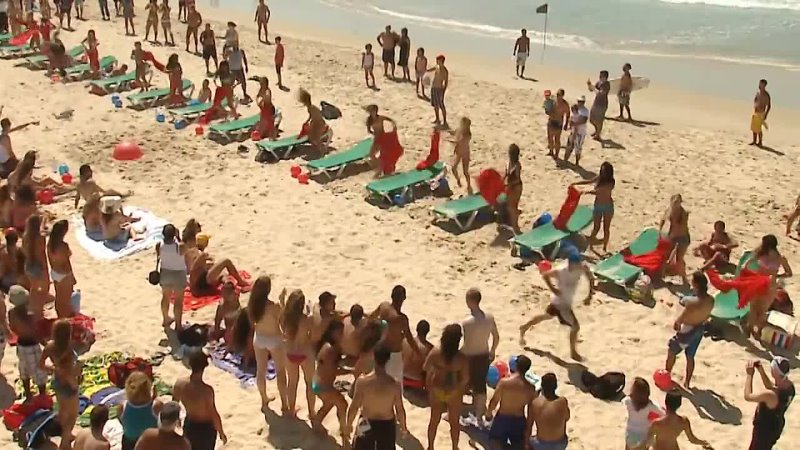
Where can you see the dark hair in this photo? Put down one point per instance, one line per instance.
(57, 234)
(720, 224)
(198, 361)
(190, 231)
(5, 123)
(513, 153)
(11, 237)
(259, 296)
(370, 335)
(172, 61)
(549, 385)
(381, 354)
(84, 170)
(423, 328)
(62, 337)
(293, 312)
(604, 73)
(356, 313)
(606, 175)
(398, 293)
(277, 38)
(523, 364)
(333, 327)
(768, 243)
(700, 280)
(25, 194)
(33, 230)
(241, 332)
(5, 193)
(27, 164)
(474, 295)
(764, 81)
(98, 417)
(170, 413)
(169, 232)
(303, 96)
(450, 341)
(672, 401)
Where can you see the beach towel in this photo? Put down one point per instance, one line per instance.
(82, 329)
(148, 56)
(749, 284)
(650, 262)
(22, 38)
(232, 363)
(433, 155)
(101, 249)
(193, 303)
(220, 94)
(390, 151)
(490, 185)
(567, 208)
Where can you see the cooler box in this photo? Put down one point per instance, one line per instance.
(780, 330)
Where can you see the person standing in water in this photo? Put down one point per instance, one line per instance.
(770, 418)
(563, 283)
(603, 210)
(203, 422)
(514, 396)
(522, 48)
(597, 115)
(624, 94)
(478, 328)
(762, 104)
(550, 413)
(461, 139)
(664, 432)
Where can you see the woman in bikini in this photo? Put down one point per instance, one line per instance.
(329, 355)
(23, 174)
(603, 203)
(66, 374)
(34, 249)
(265, 317)
(152, 20)
(461, 140)
(266, 124)
(770, 261)
(678, 234)
(315, 124)
(166, 23)
(513, 181)
(90, 44)
(206, 274)
(59, 254)
(296, 326)
(175, 72)
(447, 376)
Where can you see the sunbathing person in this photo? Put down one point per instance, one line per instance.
(91, 215)
(716, 252)
(413, 362)
(117, 226)
(678, 234)
(206, 274)
(23, 174)
(314, 125)
(118, 72)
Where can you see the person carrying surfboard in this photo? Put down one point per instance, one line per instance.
(624, 94)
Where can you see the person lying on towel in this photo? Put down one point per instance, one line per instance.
(206, 275)
(115, 224)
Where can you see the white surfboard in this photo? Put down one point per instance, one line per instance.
(639, 83)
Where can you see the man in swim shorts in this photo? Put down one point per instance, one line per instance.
(388, 40)
(515, 397)
(550, 413)
(29, 351)
(165, 437)
(762, 104)
(560, 307)
(396, 332)
(522, 48)
(478, 327)
(557, 120)
(209, 43)
(202, 423)
(690, 325)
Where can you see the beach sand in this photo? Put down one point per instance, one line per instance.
(321, 237)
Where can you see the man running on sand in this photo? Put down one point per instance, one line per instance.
(164, 437)
(664, 431)
(560, 307)
(515, 397)
(397, 330)
(203, 422)
(521, 49)
(262, 19)
(557, 120)
(388, 40)
(379, 398)
(762, 104)
(550, 413)
(690, 325)
(478, 327)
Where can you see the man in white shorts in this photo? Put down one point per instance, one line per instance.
(521, 50)
(578, 120)
(560, 307)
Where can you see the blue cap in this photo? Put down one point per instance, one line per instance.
(574, 257)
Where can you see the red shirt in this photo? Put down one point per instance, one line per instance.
(279, 55)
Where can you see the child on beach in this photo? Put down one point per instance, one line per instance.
(717, 250)
(137, 55)
(420, 67)
(641, 412)
(90, 43)
(461, 139)
(368, 63)
(279, 56)
(205, 92)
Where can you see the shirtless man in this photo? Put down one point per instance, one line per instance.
(93, 439)
(522, 48)
(624, 94)
(208, 40)
(202, 423)
(29, 349)
(388, 40)
(664, 431)
(137, 55)
(87, 187)
(193, 22)
(515, 397)
(560, 306)
(690, 325)
(262, 19)
(550, 413)
(164, 437)
(397, 330)
(8, 160)
(324, 313)
(762, 104)
(379, 398)
(441, 79)
(557, 120)
(353, 325)
(478, 327)
(413, 362)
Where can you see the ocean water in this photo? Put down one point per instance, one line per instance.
(717, 46)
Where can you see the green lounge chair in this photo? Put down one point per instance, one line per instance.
(726, 304)
(237, 130)
(153, 97)
(463, 211)
(193, 111)
(118, 83)
(403, 183)
(547, 234)
(4, 37)
(16, 51)
(616, 270)
(333, 166)
(41, 62)
(80, 71)
(282, 148)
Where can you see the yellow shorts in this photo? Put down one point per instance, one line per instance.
(756, 122)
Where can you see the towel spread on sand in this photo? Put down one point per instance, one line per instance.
(567, 208)
(232, 363)
(748, 284)
(193, 303)
(650, 262)
(490, 185)
(93, 241)
(433, 154)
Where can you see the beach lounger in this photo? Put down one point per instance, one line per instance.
(237, 130)
(726, 304)
(153, 97)
(4, 37)
(16, 51)
(547, 234)
(80, 71)
(118, 83)
(616, 270)
(193, 111)
(403, 183)
(282, 148)
(41, 62)
(334, 165)
(463, 211)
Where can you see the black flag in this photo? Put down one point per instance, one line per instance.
(542, 9)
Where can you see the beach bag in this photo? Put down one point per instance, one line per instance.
(329, 112)
(608, 386)
(119, 372)
(195, 335)
(154, 277)
(37, 429)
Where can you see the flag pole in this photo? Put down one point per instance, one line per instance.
(544, 40)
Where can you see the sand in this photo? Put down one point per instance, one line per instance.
(326, 237)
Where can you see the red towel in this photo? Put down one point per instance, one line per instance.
(651, 262)
(567, 208)
(390, 151)
(490, 185)
(748, 284)
(22, 38)
(220, 94)
(148, 56)
(94, 61)
(192, 303)
(433, 155)
(80, 324)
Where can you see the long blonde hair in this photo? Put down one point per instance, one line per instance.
(138, 388)
(464, 130)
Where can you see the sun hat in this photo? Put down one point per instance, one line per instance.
(581, 98)
(110, 204)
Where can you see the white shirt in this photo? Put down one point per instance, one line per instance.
(171, 258)
(568, 285)
(581, 112)
(638, 421)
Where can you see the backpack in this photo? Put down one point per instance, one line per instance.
(37, 429)
(329, 112)
(118, 372)
(608, 386)
(195, 335)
